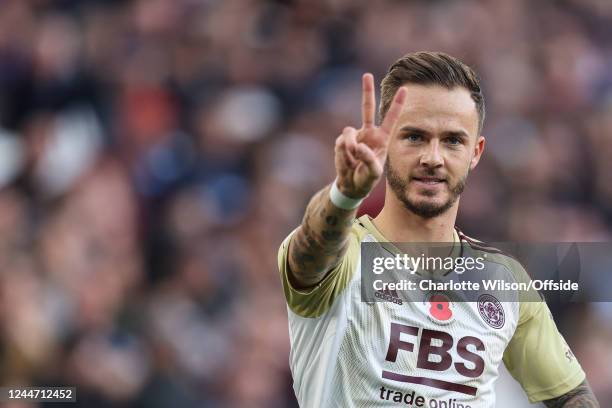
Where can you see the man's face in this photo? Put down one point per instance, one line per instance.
(433, 147)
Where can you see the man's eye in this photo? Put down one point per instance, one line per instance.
(413, 137)
(453, 140)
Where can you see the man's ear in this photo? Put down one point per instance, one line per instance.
(478, 149)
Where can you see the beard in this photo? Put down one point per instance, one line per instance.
(423, 208)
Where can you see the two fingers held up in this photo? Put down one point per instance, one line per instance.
(360, 153)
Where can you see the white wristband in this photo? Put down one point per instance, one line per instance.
(342, 201)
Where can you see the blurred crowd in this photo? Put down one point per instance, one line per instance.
(154, 154)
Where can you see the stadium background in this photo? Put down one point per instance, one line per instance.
(154, 153)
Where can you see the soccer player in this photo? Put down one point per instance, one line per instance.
(350, 353)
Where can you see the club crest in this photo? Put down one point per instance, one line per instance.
(491, 311)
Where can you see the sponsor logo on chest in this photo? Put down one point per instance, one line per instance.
(443, 351)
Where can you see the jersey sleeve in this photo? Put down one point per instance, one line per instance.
(538, 356)
(315, 301)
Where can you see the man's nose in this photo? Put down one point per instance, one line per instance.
(431, 155)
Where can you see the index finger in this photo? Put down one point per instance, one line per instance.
(368, 100)
(393, 114)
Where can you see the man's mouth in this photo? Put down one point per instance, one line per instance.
(429, 180)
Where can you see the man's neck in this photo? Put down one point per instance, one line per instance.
(398, 224)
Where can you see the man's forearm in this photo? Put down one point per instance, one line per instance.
(320, 242)
(580, 397)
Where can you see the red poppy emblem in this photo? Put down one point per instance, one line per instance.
(439, 307)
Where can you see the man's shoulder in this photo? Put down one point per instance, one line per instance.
(493, 253)
(496, 256)
(315, 301)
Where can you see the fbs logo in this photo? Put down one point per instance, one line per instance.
(437, 351)
(438, 308)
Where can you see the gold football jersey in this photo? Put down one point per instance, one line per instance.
(349, 353)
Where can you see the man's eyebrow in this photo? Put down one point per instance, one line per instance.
(412, 129)
(456, 133)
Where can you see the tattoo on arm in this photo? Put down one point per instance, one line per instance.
(580, 397)
(320, 242)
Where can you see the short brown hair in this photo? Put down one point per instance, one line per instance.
(431, 68)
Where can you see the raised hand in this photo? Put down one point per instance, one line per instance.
(360, 154)
(323, 237)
